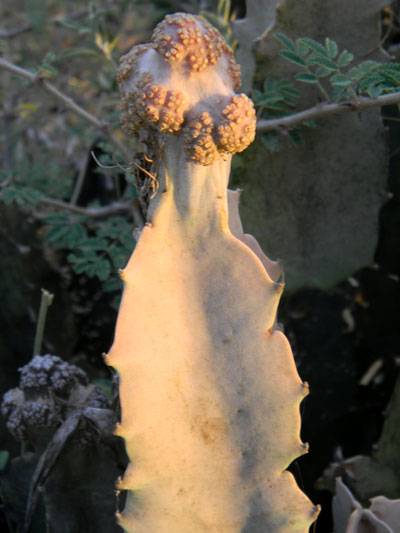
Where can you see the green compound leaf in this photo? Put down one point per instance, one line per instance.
(314, 46)
(289, 91)
(56, 233)
(309, 123)
(48, 68)
(355, 74)
(340, 80)
(331, 48)
(271, 101)
(301, 48)
(293, 57)
(370, 79)
(287, 43)
(339, 93)
(272, 141)
(289, 101)
(92, 243)
(344, 59)
(374, 91)
(392, 75)
(103, 269)
(59, 218)
(322, 72)
(78, 51)
(324, 62)
(368, 66)
(269, 85)
(74, 26)
(112, 284)
(295, 138)
(306, 77)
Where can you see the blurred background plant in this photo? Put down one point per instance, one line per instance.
(315, 193)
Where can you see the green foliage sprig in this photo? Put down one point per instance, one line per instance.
(331, 71)
(94, 248)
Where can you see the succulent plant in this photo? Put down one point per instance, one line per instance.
(50, 389)
(69, 424)
(383, 516)
(209, 390)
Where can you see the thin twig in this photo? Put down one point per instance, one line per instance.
(113, 209)
(80, 179)
(68, 102)
(131, 207)
(324, 110)
(58, 19)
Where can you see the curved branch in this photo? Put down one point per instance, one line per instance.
(324, 110)
(58, 19)
(69, 103)
(114, 209)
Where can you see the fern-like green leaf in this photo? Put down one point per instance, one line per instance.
(314, 46)
(322, 72)
(306, 77)
(331, 48)
(269, 85)
(374, 91)
(103, 269)
(339, 94)
(56, 233)
(293, 57)
(287, 43)
(289, 91)
(295, 138)
(340, 80)
(324, 62)
(301, 48)
(272, 141)
(393, 76)
(309, 123)
(370, 79)
(344, 59)
(355, 74)
(368, 66)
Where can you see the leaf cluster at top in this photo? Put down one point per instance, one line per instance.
(319, 61)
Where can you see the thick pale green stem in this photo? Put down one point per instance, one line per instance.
(45, 303)
(209, 390)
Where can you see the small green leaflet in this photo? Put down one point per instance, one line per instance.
(287, 43)
(306, 77)
(314, 46)
(78, 51)
(293, 57)
(340, 80)
(322, 72)
(272, 141)
(295, 138)
(344, 59)
(374, 91)
(324, 62)
(331, 48)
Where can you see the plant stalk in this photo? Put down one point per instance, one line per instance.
(45, 303)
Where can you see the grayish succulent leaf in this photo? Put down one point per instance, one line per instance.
(316, 208)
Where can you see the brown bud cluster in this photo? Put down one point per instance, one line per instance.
(184, 82)
(230, 128)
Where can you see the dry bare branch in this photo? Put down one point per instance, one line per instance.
(69, 103)
(325, 110)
